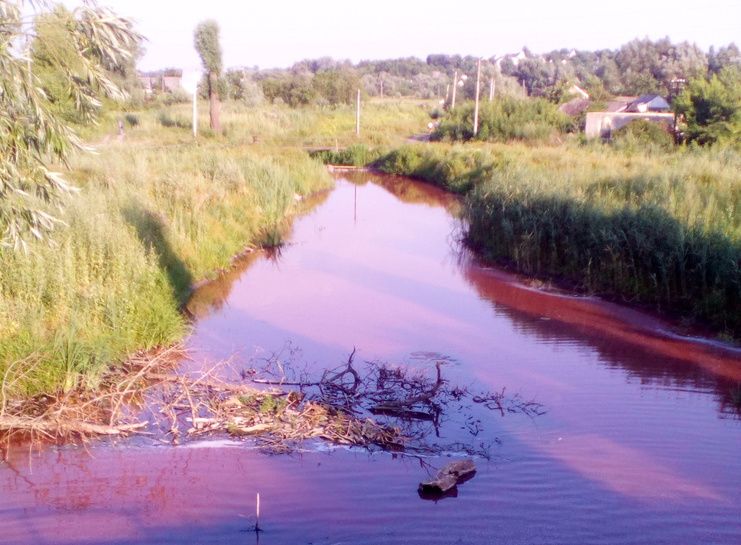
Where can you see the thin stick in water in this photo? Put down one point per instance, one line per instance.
(257, 512)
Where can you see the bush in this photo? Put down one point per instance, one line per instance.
(168, 120)
(132, 120)
(504, 120)
(642, 134)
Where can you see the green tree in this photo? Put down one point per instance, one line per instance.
(728, 55)
(32, 133)
(206, 40)
(336, 86)
(712, 108)
(54, 45)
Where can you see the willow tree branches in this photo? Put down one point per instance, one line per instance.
(32, 135)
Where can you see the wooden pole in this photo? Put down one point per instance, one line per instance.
(257, 513)
(455, 86)
(476, 107)
(195, 114)
(357, 115)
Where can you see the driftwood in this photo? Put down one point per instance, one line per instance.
(82, 412)
(377, 406)
(449, 477)
(55, 427)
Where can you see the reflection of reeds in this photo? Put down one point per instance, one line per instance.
(736, 396)
(660, 230)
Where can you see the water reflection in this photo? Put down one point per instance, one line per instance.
(632, 449)
(422, 299)
(211, 296)
(636, 343)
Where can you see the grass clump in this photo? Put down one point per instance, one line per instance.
(357, 155)
(455, 169)
(169, 120)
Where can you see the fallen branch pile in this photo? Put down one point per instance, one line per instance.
(382, 407)
(108, 410)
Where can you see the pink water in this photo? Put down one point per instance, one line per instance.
(640, 442)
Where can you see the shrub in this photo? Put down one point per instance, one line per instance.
(168, 120)
(642, 134)
(132, 120)
(505, 119)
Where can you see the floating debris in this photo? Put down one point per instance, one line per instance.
(448, 478)
(379, 406)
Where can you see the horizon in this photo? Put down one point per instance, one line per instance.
(262, 36)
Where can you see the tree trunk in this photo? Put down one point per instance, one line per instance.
(214, 104)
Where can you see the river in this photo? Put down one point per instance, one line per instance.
(639, 441)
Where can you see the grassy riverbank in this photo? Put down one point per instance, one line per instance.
(383, 123)
(661, 230)
(154, 214)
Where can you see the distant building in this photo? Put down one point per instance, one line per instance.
(577, 92)
(648, 103)
(515, 58)
(623, 110)
(619, 103)
(575, 106)
(161, 81)
(603, 124)
(578, 104)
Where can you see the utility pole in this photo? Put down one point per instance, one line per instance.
(195, 113)
(476, 107)
(357, 115)
(455, 85)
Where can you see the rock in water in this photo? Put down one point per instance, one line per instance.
(448, 477)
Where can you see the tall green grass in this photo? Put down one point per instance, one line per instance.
(505, 119)
(383, 122)
(356, 155)
(151, 218)
(660, 230)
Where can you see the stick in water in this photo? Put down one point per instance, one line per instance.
(257, 510)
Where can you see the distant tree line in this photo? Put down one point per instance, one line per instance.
(639, 67)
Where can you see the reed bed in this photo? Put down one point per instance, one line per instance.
(156, 212)
(661, 230)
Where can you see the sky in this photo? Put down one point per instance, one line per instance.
(279, 33)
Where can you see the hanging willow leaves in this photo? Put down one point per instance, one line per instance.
(32, 135)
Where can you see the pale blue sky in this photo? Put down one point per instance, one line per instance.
(279, 33)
